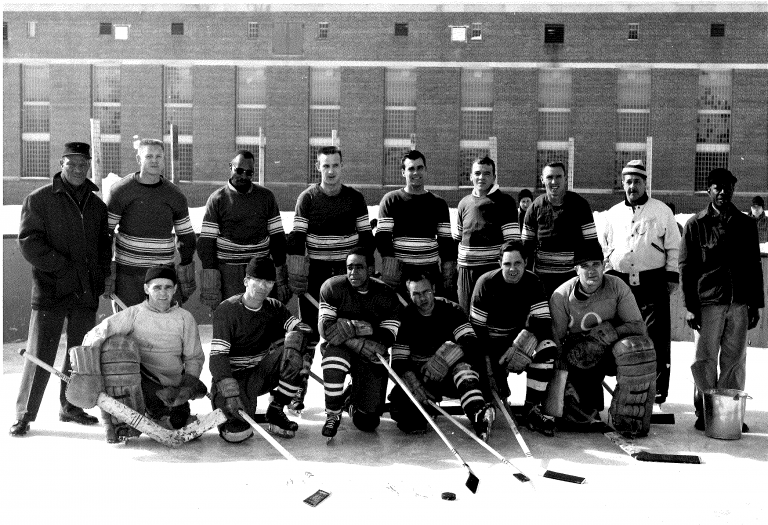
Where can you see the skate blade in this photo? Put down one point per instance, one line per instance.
(280, 432)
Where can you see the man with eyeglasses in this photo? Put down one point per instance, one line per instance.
(147, 209)
(257, 347)
(241, 221)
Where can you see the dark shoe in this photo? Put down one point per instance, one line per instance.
(331, 426)
(540, 423)
(279, 424)
(744, 427)
(411, 428)
(19, 428)
(699, 424)
(483, 420)
(78, 416)
(660, 398)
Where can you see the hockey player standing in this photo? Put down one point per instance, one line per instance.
(436, 354)
(250, 358)
(510, 315)
(241, 221)
(414, 230)
(359, 320)
(146, 208)
(487, 218)
(555, 224)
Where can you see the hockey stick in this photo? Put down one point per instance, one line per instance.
(118, 301)
(520, 476)
(312, 300)
(145, 425)
(472, 480)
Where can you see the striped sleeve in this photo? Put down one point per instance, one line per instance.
(218, 361)
(510, 231)
(384, 229)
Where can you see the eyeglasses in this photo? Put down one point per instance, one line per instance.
(240, 171)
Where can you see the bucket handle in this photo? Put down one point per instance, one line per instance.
(740, 395)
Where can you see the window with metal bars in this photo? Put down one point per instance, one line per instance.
(177, 28)
(107, 109)
(177, 82)
(105, 28)
(554, 118)
(250, 108)
(476, 118)
(554, 33)
(5, 31)
(713, 128)
(322, 30)
(253, 30)
(476, 31)
(399, 120)
(324, 108)
(717, 30)
(35, 121)
(401, 29)
(634, 32)
(633, 115)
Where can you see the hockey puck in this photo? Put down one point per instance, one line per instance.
(448, 496)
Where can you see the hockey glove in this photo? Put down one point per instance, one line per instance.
(337, 333)
(391, 271)
(439, 364)
(298, 270)
(604, 333)
(283, 290)
(109, 281)
(421, 394)
(362, 328)
(449, 276)
(186, 276)
(519, 355)
(229, 388)
(210, 288)
(368, 349)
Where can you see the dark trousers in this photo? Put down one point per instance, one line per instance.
(468, 276)
(43, 342)
(369, 380)
(319, 272)
(156, 409)
(588, 383)
(653, 300)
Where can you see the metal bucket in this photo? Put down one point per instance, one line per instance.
(724, 412)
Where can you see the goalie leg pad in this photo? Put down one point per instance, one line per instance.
(120, 367)
(632, 404)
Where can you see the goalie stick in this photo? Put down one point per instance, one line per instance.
(169, 438)
(472, 481)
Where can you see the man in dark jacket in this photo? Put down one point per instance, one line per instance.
(722, 284)
(64, 235)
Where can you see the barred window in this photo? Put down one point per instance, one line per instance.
(476, 118)
(36, 121)
(554, 118)
(253, 30)
(177, 28)
(399, 120)
(634, 32)
(177, 82)
(324, 108)
(401, 29)
(322, 30)
(5, 31)
(107, 109)
(251, 108)
(717, 30)
(554, 33)
(713, 130)
(105, 28)
(633, 118)
(476, 31)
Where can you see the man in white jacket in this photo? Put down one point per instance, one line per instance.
(169, 354)
(641, 242)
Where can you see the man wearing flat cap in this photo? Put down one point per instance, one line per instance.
(163, 340)
(63, 234)
(641, 243)
(722, 282)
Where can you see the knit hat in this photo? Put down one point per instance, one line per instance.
(525, 192)
(758, 201)
(720, 176)
(634, 167)
(262, 268)
(161, 272)
(588, 251)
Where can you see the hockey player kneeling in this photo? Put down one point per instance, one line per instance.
(632, 404)
(359, 320)
(257, 347)
(150, 357)
(433, 352)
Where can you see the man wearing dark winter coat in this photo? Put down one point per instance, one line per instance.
(63, 234)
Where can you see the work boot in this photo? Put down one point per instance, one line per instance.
(539, 422)
(332, 422)
(278, 422)
(19, 428)
(77, 415)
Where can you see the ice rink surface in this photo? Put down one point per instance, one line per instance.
(67, 473)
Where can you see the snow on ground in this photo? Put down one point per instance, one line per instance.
(68, 473)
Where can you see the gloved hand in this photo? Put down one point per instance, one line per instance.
(191, 388)
(362, 328)
(421, 394)
(283, 290)
(391, 271)
(604, 333)
(339, 331)
(231, 392)
(754, 317)
(109, 281)
(186, 275)
(449, 276)
(210, 287)
(693, 319)
(298, 270)
(368, 349)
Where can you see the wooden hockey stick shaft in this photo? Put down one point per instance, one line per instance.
(272, 441)
(118, 301)
(512, 425)
(312, 300)
(473, 436)
(473, 480)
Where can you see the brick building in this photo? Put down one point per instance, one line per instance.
(692, 76)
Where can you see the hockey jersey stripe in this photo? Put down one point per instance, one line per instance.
(541, 310)
(183, 226)
(478, 255)
(415, 250)
(209, 230)
(300, 224)
(143, 252)
(464, 330)
(478, 316)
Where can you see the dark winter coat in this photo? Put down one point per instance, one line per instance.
(70, 250)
